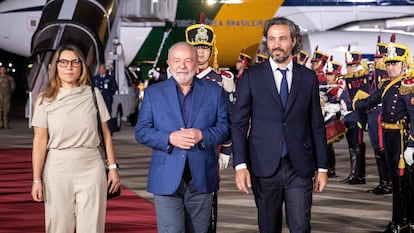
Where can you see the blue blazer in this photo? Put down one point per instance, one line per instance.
(160, 115)
(260, 125)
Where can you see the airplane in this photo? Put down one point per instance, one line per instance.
(135, 35)
(234, 21)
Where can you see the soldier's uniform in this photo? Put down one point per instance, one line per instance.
(7, 86)
(397, 98)
(201, 35)
(242, 63)
(318, 62)
(379, 75)
(355, 121)
(108, 87)
(335, 127)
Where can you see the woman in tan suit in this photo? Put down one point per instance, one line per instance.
(68, 170)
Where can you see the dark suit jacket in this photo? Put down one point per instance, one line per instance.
(160, 115)
(300, 126)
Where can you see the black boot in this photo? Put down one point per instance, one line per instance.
(359, 177)
(384, 186)
(353, 159)
(399, 222)
(331, 161)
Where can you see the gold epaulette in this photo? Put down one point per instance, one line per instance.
(357, 74)
(380, 66)
(410, 73)
(407, 86)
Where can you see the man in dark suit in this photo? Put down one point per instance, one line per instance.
(278, 133)
(183, 120)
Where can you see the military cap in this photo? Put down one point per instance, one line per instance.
(260, 57)
(352, 57)
(199, 35)
(301, 57)
(381, 48)
(319, 56)
(245, 59)
(333, 67)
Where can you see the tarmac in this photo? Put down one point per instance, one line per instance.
(341, 208)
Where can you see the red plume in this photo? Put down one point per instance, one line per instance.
(202, 18)
(349, 48)
(316, 49)
(392, 39)
(330, 59)
(379, 39)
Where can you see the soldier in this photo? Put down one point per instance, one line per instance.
(318, 62)
(108, 87)
(379, 75)
(302, 57)
(397, 97)
(356, 81)
(7, 86)
(335, 127)
(260, 57)
(203, 38)
(242, 63)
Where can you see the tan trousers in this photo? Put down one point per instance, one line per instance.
(75, 191)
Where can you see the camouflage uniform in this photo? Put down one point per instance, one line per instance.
(7, 86)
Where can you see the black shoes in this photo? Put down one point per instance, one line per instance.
(351, 179)
(399, 228)
(331, 173)
(382, 189)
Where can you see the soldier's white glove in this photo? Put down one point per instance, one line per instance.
(153, 74)
(223, 161)
(332, 108)
(227, 81)
(408, 155)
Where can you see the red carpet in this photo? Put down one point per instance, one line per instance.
(18, 213)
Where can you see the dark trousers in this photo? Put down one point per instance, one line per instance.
(285, 186)
(186, 210)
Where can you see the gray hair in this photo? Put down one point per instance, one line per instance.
(182, 44)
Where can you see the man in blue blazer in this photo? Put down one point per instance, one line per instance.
(183, 120)
(278, 133)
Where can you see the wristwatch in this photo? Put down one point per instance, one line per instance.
(113, 166)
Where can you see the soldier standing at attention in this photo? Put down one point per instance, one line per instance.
(107, 85)
(318, 62)
(203, 38)
(242, 63)
(7, 86)
(375, 132)
(355, 120)
(397, 97)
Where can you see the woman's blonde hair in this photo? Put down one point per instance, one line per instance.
(54, 83)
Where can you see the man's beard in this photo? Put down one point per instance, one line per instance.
(279, 59)
(282, 59)
(181, 79)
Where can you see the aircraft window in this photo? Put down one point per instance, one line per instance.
(33, 23)
(150, 9)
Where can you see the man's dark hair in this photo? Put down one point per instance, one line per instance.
(294, 31)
